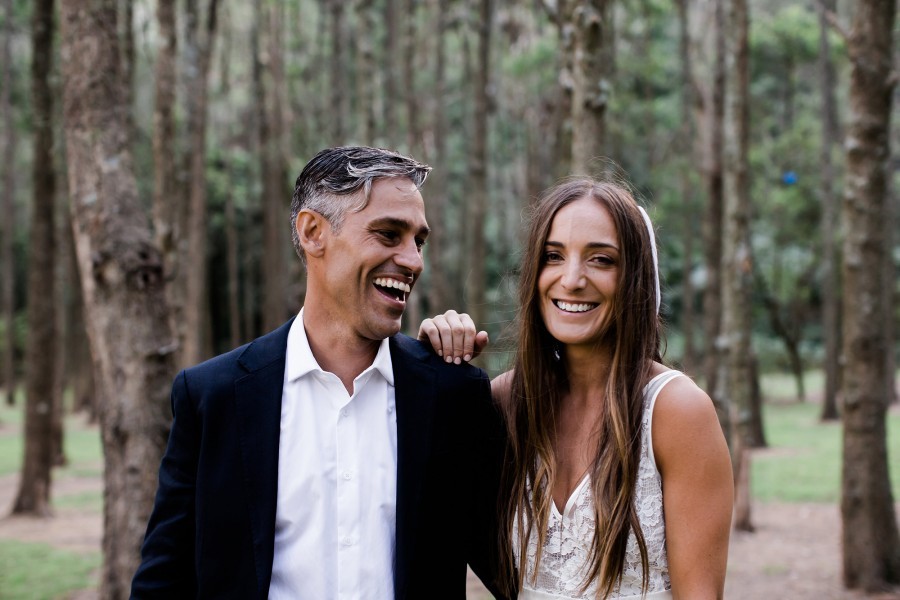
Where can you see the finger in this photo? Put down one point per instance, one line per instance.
(445, 331)
(481, 341)
(428, 332)
(457, 335)
(469, 333)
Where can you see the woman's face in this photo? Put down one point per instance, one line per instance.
(580, 272)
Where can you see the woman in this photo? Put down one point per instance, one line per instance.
(598, 426)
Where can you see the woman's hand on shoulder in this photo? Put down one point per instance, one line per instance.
(698, 488)
(453, 336)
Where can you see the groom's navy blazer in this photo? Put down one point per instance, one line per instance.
(211, 534)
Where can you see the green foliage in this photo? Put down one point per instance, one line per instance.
(803, 463)
(40, 572)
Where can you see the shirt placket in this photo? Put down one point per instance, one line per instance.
(347, 432)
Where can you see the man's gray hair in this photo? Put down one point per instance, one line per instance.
(330, 183)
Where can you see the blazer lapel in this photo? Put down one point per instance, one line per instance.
(258, 408)
(415, 395)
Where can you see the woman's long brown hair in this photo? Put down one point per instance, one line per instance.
(539, 380)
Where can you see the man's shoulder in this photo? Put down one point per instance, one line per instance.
(407, 348)
(265, 350)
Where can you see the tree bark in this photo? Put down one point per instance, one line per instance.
(713, 114)
(737, 378)
(871, 544)
(7, 224)
(165, 176)
(272, 173)
(478, 162)
(439, 299)
(33, 496)
(389, 62)
(590, 84)
(365, 72)
(127, 36)
(339, 91)
(687, 133)
(232, 242)
(122, 281)
(199, 48)
(831, 317)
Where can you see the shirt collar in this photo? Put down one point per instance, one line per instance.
(300, 359)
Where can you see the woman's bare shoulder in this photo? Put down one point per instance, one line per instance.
(501, 386)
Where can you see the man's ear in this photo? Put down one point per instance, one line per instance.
(312, 229)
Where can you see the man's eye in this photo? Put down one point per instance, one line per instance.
(388, 235)
(420, 243)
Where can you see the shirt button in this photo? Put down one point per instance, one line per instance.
(347, 541)
(344, 412)
(390, 409)
(347, 476)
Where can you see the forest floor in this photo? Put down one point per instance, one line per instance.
(793, 554)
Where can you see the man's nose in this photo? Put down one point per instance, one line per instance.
(409, 257)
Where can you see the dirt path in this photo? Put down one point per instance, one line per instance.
(794, 553)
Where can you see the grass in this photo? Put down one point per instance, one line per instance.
(803, 461)
(38, 571)
(83, 446)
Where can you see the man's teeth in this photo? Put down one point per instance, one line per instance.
(393, 283)
(569, 307)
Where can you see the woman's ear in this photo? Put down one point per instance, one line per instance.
(312, 229)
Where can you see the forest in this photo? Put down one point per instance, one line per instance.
(149, 149)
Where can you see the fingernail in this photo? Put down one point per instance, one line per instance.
(448, 358)
(467, 357)
(457, 361)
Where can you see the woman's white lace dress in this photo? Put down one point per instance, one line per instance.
(569, 535)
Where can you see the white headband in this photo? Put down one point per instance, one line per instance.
(649, 225)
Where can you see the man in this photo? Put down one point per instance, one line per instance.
(333, 457)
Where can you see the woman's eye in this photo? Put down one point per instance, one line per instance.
(603, 260)
(552, 257)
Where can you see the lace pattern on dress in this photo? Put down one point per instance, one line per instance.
(567, 546)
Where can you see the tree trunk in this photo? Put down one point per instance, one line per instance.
(478, 162)
(871, 544)
(79, 367)
(232, 249)
(737, 379)
(831, 317)
(272, 173)
(33, 496)
(590, 84)
(365, 72)
(713, 106)
(689, 358)
(339, 91)
(439, 299)
(7, 224)
(165, 175)
(199, 48)
(389, 63)
(126, 27)
(122, 281)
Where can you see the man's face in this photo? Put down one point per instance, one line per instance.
(373, 261)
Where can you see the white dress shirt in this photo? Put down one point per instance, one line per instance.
(337, 480)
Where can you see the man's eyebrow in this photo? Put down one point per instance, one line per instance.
(398, 224)
(592, 245)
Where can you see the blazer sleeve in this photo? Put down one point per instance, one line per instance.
(486, 453)
(167, 554)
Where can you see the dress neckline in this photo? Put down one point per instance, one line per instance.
(572, 497)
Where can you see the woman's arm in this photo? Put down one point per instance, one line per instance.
(453, 336)
(698, 489)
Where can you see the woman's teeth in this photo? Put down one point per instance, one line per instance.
(571, 307)
(393, 283)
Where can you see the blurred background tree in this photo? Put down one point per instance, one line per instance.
(222, 103)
